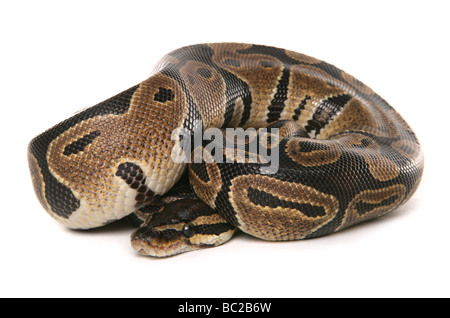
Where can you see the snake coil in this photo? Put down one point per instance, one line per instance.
(343, 154)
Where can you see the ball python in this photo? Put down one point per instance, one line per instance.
(344, 155)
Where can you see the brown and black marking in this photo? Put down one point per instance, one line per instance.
(54, 195)
(346, 155)
(181, 225)
(133, 175)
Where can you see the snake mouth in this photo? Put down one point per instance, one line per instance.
(147, 249)
(149, 242)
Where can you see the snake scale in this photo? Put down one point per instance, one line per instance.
(343, 154)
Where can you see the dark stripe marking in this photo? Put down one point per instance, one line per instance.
(300, 107)
(278, 102)
(271, 51)
(133, 175)
(266, 199)
(325, 112)
(80, 144)
(364, 207)
(212, 229)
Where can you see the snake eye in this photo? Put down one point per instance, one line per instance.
(188, 230)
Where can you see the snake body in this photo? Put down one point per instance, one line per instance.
(344, 154)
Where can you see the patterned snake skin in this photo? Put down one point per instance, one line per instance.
(344, 154)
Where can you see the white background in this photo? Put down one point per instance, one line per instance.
(58, 57)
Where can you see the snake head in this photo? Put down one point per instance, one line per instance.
(182, 226)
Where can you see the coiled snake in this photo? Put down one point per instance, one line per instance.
(335, 152)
